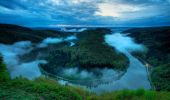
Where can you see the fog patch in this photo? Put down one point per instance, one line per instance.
(91, 77)
(28, 70)
(82, 29)
(70, 38)
(122, 42)
(16, 68)
(73, 29)
(77, 73)
(72, 44)
(51, 40)
(62, 82)
(136, 76)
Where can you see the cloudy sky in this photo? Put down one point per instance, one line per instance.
(42, 13)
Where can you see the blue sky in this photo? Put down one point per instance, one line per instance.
(44, 13)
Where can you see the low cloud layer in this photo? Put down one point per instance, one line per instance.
(30, 70)
(89, 78)
(136, 76)
(122, 43)
(69, 30)
(51, 40)
(92, 74)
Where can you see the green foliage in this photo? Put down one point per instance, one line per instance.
(10, 34)
(139, 94)
(4, 76)
(15, 94)
(90, 51)
(150, 95)
(161, 77)
(125, 95)
(42, 88)
(46, 89)
(157, 42)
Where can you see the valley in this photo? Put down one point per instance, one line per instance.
(97, 60)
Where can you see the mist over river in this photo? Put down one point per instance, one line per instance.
(135, 77)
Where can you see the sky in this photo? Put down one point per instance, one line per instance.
(55, 13)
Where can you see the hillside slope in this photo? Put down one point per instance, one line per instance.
(10, 34)
(90, 51)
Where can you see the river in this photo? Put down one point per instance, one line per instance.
(134, 78)
(136, 75)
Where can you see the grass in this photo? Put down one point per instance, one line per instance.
(139, 94)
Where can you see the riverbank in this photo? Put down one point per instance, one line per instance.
(156, 39)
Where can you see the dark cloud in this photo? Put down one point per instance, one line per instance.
(12, 4)
(85, 12)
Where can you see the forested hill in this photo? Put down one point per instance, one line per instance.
(155, 37)
(157, 40)
(90, 50)
(13, 33)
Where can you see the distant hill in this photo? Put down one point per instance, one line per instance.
(89, 51)
(13, 33)
(156, 39)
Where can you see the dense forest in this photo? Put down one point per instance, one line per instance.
(10, 34)
(90, 51)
